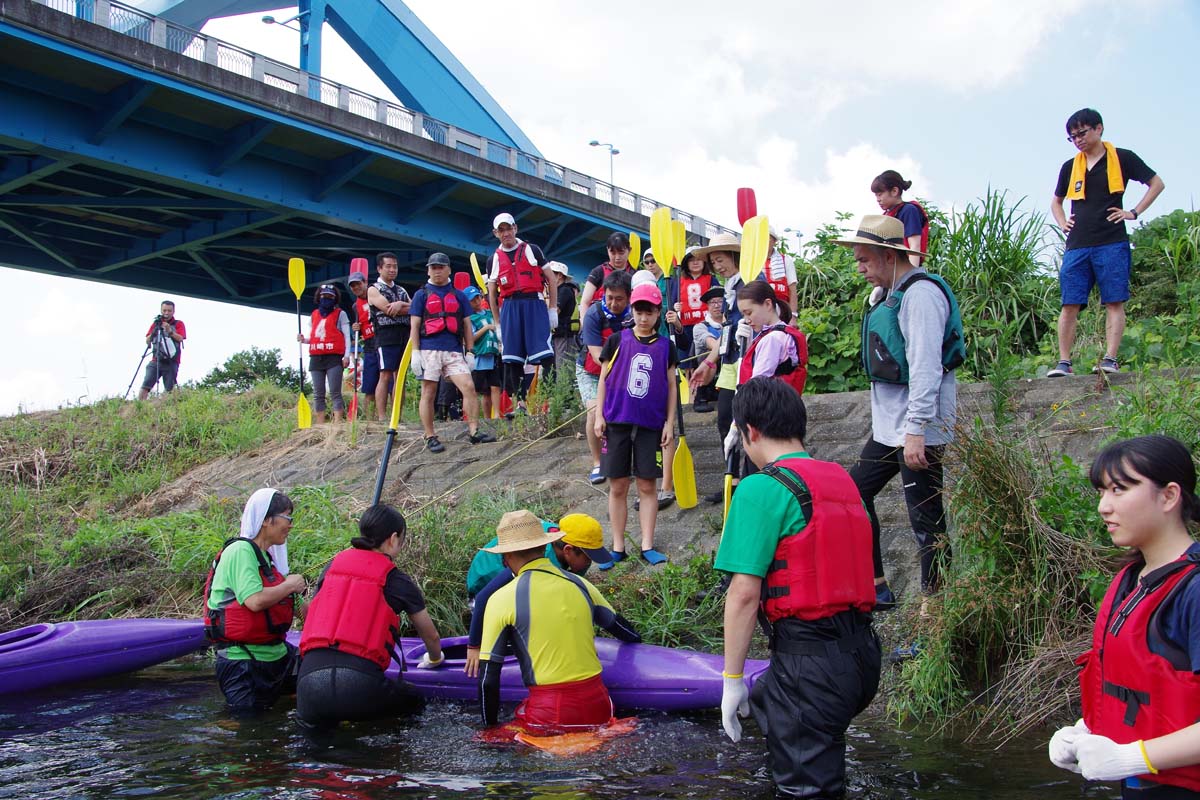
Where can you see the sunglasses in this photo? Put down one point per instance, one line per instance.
(284, 516)
(1079, 134)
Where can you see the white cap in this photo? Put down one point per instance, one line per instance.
(559, 267)
(771, 232)
(501, 219)
(643, 276)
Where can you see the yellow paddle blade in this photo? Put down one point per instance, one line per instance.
(661, 241)
(728, 495)
(296, 276)
(684, 472)
(635, 250)
(679, 231)
(478, 275)
(755, 243)
(401, 374)
(685, 393)
(303, 413)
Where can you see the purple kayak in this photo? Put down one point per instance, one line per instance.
(43, 655)
(638, 676)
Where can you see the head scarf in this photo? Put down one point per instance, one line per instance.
(253, 516)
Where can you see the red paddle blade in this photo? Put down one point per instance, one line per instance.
(358, 265)
(747, 205)
(352, 411)
(462, 280)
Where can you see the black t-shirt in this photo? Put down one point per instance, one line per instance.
(566, 307)
(1092, 227)
(614, 341)
(402, 596)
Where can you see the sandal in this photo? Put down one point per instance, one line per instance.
(434, 444)
(653, 557)
(617, 555)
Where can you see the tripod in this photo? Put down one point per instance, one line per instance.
(138, 371)
(153, 345)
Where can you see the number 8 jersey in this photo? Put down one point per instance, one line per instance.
(635, 389)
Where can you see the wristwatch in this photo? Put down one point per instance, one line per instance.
(1134, 212)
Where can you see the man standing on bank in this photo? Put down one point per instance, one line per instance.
(165, 340)
(912, 341)
(517, 276)
(798, 546)
(1097, 249)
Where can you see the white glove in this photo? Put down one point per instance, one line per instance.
(1062, 746)
(735, 702)
(732, 439)
(744, 331)
(553, 312)
(415, 364)
(471, 361)
(425, 663)
(1102, 759)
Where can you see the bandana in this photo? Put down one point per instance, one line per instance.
(325, 305)
(253, 516)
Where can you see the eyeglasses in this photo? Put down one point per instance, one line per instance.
(1079, 134)
(649, 261)
(284, 516)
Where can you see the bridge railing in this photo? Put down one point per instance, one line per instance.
(145, 27)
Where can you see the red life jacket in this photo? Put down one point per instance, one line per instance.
(692, 307)
(441, 312)
(778, 284)
(350, 613)
(366, 329)
(796, 375)
(609, 269)
(521, 275)
(608, 326)
(826, 567)
(325, 337)
(234, 623)
(1129, 691)
(895, 212)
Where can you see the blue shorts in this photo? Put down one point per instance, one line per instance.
(1105, 266)
(369, 364)
(525, 330)
(389, 358)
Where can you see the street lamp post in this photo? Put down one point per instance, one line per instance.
(799, 236)
(612, 151)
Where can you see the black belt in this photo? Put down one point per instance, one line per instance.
(523, 296)
(828, 647)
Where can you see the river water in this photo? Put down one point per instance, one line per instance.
(165, 733)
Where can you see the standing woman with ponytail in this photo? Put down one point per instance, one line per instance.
(887, 187)
(1140, 682)
(352, 626)
(778, 349)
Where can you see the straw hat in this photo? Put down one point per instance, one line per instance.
(722, 241)
(522, 530)
(880, 231)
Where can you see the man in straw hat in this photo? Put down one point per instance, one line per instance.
(547, 616)
(912, 343)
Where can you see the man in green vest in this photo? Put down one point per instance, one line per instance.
(912, 340)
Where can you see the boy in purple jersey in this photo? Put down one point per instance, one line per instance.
(636, 417)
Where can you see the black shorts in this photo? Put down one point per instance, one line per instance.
(631, 450)
(487, 379)
(251, 686)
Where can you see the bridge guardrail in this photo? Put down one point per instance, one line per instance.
(154, 30)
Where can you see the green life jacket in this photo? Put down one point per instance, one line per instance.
(883, 355)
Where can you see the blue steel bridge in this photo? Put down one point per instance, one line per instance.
(136, 151)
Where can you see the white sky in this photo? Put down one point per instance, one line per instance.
(804, 102)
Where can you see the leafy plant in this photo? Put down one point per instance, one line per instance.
(242, 371)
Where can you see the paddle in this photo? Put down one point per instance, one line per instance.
(728, 491)
(747, 205)
(352, 410)
(661, 238)
(296, 280)
(679, 241)
(397, 400)
(755, 244)
(635, 250)
(682, 468)
(478, 274)
(461, 280)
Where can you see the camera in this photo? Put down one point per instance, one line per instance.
(158, 319)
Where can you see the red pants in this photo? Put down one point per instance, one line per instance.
(562, 706)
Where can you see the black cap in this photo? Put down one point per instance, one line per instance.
(438, 260)
(714, 292)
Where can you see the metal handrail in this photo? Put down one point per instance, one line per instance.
(130, 21)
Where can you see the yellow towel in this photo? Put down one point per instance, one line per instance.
(1116, 181)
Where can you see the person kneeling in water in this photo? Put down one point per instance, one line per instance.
(352, 625)
(547, 615)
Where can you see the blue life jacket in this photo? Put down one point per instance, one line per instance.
(883, 355)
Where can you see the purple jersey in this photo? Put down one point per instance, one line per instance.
(635, 391)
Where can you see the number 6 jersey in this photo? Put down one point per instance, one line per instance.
(635, 389)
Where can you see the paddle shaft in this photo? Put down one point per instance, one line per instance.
(300, 345)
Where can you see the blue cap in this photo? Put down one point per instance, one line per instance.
(471, 292)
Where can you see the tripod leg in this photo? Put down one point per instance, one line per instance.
(137, 371)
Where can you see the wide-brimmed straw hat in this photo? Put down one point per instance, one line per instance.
(522, 530)
(722, 241)
(880, 231)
